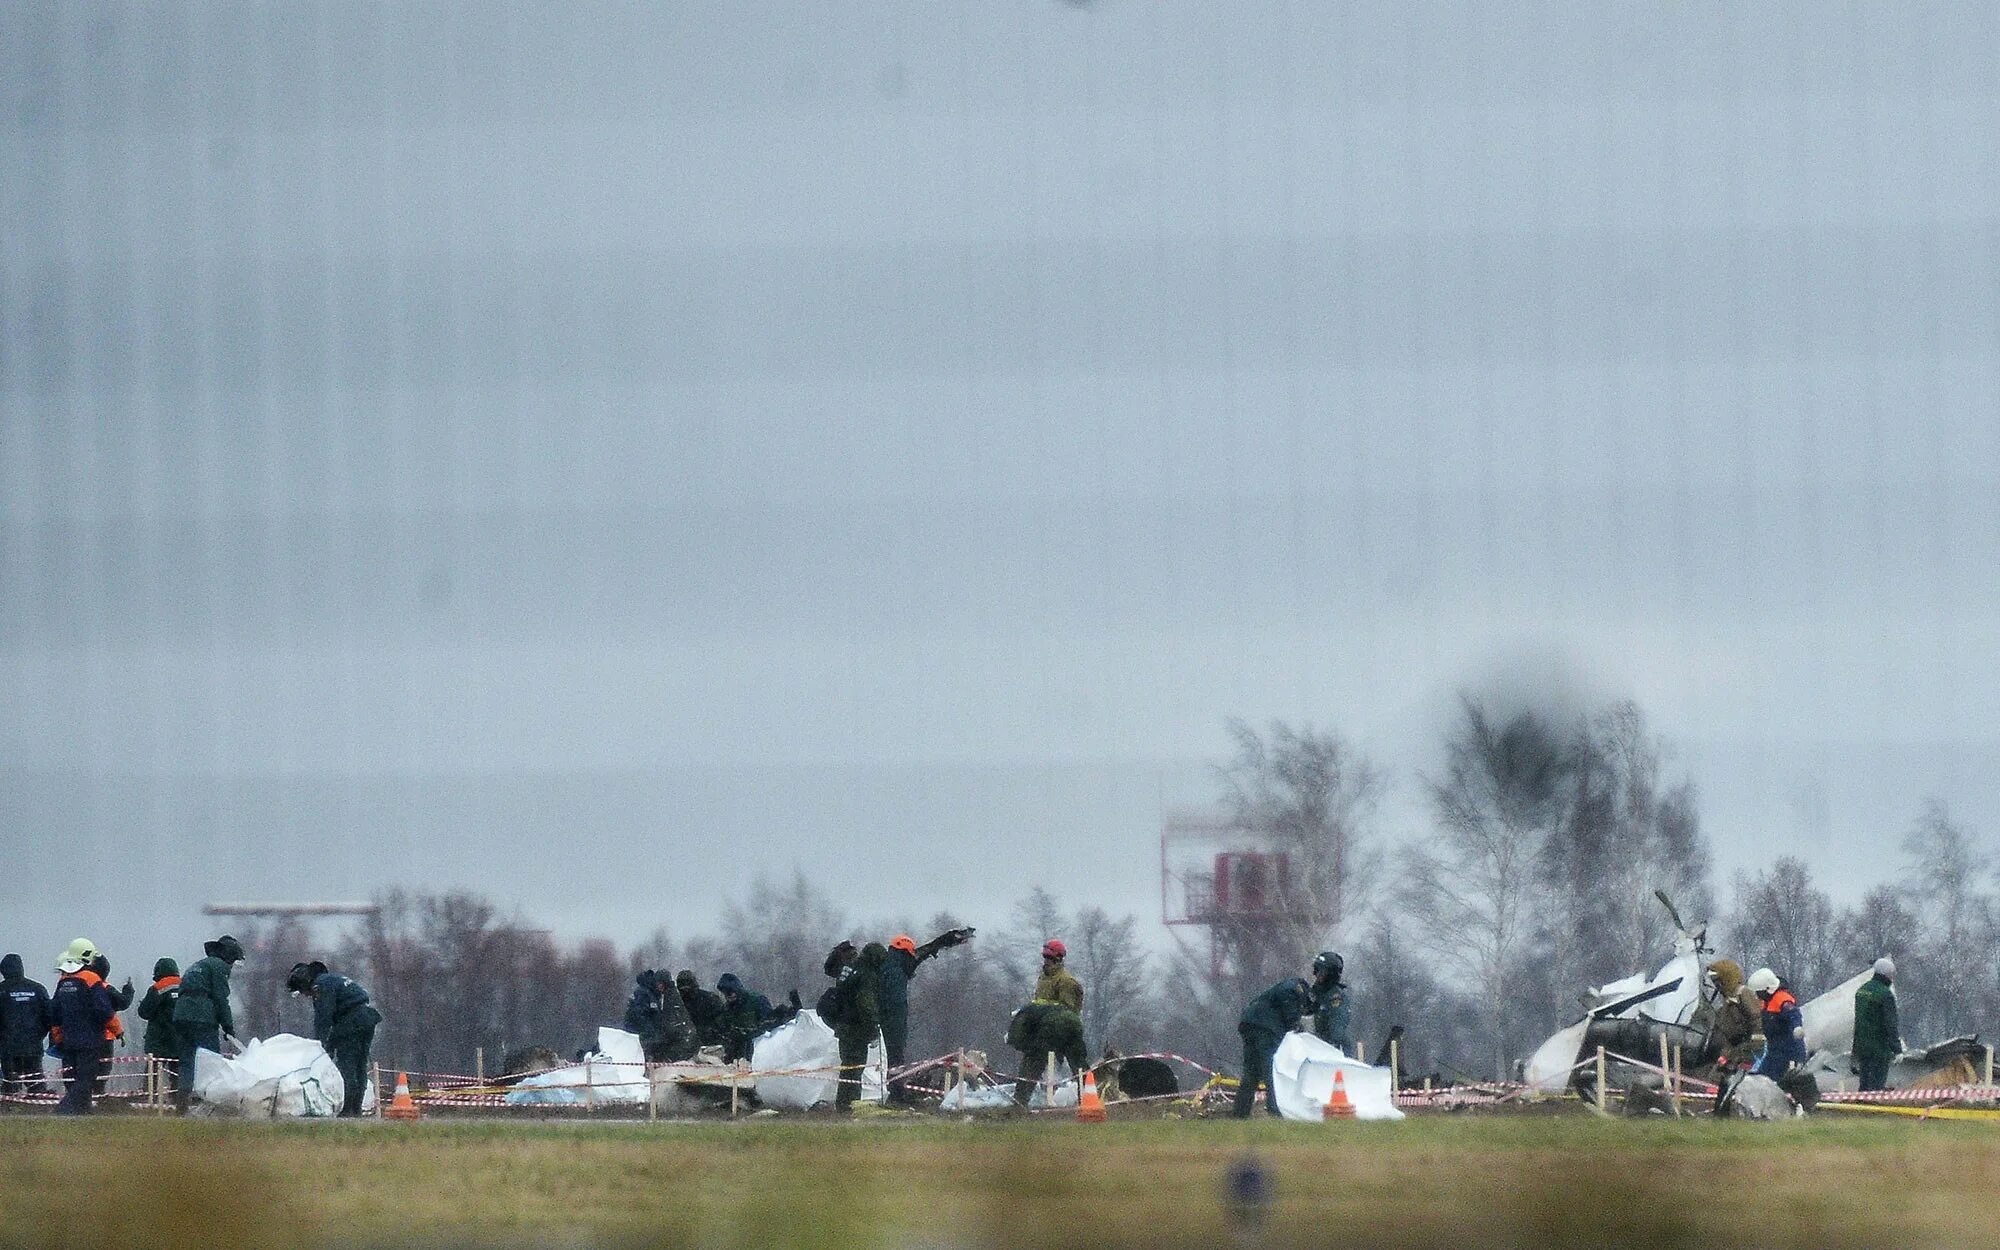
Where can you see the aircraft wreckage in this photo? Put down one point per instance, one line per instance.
(1633, 1017)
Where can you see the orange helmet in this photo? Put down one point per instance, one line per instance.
(903, 942)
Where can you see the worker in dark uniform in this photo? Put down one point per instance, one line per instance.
(344, 1021)
(121, 999)
(202, 1014)
(1784, 1026)
(1878, 1037)
(704, 1008)
(24, 1027)
(855, 1007)
(905, 957)
(658, 1016)
(162, 1040)
(1332, 1013)
(745, 1014)
(83, 1011)
(1263, 1025)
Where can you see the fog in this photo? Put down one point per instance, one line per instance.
(590, 454)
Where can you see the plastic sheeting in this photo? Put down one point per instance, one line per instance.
(280, 1076)
(805, 1050)
(1302, 1079)
(614, 1075)
(1549, 1067)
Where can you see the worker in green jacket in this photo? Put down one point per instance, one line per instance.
(857, 1018)
(1263, 1025)
(1878, 1038)
(202, 1015)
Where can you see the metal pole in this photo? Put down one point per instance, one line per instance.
(1600, 1078)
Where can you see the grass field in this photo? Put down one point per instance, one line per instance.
(1432, 1181)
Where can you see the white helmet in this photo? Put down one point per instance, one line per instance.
(1763, 981)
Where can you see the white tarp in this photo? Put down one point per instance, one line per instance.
(1302, 1078)
(615, 1074)
(284, 1075)
(806, 1051)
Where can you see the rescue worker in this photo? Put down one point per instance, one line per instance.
(1057, 984)
(658, 1016)
(745, 1012)
(856, 1019)
(1263, 1025)
(1878, 1038)
(83, 1011)
(905, 957)
(202, 1015)
(344, 1022)
(1038, 1030)
(121, 998)
(25, 1018)
(1737, 1016)
(1784, 1026)
(704, 1008)
(1332, 1013)
(162, 1040)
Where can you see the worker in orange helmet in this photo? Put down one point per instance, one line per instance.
(892, 996)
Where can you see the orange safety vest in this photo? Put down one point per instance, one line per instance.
(1779, 1001)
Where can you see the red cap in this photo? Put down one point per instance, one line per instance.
(903, 942)
(1054, 949)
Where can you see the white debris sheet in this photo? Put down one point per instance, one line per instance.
(280, 1076)
(615, 1075)
(1302, 1077)
(805, 1055)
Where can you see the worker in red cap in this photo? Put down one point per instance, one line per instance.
(892, 996)
(1057, 984)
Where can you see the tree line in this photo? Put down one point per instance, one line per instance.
(1532, 879)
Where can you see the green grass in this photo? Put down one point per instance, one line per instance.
(1431, 1181)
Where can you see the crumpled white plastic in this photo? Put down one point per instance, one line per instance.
(1302, 1077)
(278, 1076)
(806, 1042)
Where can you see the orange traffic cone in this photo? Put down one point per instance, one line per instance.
(1337, 1106)
(1090, 1107)
(402, 1106)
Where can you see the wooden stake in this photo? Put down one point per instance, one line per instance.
(1667, 1075)
(1361, 1052)
(1049, 1080)
(1395, 1065)
(589, 1088)
(1600, 1080)
(376, 1077)
(479, 1065)
(1679, 1076)
(734, 1070)
(1989, 1065)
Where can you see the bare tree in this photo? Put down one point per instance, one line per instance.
(1951, 937)
(776, 939)
(1781, 920)
(1473, 895)
(1313, 797)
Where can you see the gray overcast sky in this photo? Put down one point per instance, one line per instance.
(590, 453)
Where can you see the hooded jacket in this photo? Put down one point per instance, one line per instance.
(1737, 1013)
(704, 1008)
(341, 1008)
(157, 1010)
(204, 1000)
(743, 1018)
(25, 1014)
